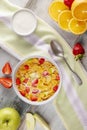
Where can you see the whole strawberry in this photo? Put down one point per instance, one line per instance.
(78, 51)
(68, 3)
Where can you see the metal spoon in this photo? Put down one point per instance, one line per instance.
(58, 51)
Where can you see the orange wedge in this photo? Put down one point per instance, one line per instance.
(79, 10)
(55, 8)
(64, 18)
(77, 27)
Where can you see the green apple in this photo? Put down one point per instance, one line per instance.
(9, 119)
(41, 121)
(30, 121)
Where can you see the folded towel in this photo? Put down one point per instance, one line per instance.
(71, 101)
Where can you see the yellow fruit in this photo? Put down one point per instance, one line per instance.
(64, 18)
(77, 27)
(41, 121)
(79, 10)
(30, 122)
(55, 8)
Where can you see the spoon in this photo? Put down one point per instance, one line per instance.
(58, 51)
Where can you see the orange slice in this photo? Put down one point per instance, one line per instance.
(77, 27)
(55, 8)
(79, 10)
(64, 18)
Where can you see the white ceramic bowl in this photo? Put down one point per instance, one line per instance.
(24, 22)
(24, 98)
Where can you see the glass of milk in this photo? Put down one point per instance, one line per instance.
(24, 22)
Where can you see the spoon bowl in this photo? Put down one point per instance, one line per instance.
(57, 48)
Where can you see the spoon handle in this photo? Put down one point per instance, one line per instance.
(74, 74)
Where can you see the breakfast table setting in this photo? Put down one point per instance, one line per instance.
(45, 40)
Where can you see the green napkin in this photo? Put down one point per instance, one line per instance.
(71, 102)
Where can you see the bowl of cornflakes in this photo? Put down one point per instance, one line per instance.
(37, 80)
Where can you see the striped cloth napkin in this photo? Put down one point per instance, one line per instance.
(71, 102)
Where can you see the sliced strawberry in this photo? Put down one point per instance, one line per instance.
(35, 91)
(35, 82)
(25, 80)
(6, 82)
(27, 89)
(22, 92)
(45, 73)
(68, 3)
(55, 88)
(18, 81)
(41, 60)
(33, 98)
(78, 51)
(26, 67)
(57, 77)
(7, 68)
